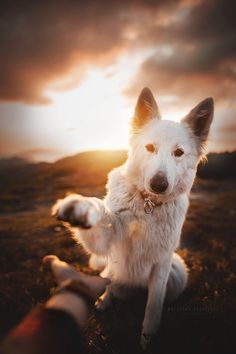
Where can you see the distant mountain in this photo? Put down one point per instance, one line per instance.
(91, 168)
(218, 166)
(13, 162)
(40, 154)
(92, 160)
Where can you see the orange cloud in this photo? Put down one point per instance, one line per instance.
(43, 42)
(52, 44)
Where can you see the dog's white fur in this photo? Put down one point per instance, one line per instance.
(137, 249)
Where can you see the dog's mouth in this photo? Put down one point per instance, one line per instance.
(155, 194)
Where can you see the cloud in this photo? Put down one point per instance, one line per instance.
(43, 42)
(52, 44)
(55, 41)
(195, 56)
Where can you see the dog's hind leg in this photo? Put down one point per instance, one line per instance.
(177, 278)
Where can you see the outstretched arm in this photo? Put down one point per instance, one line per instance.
(55, 328)
(97, 227)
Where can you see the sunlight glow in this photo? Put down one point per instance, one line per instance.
(94, 115)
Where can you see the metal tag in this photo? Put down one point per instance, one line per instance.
(148, 206)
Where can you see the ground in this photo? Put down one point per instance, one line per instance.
(202, 320)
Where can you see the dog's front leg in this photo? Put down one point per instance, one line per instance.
(156, 294)
(97, 226)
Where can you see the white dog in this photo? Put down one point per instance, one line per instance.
(136, 229)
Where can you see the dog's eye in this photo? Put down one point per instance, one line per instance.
(150, 147)
(178, 152)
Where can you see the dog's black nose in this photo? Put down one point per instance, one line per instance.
(159, 183)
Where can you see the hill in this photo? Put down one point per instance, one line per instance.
(218, 166)
(91, 167)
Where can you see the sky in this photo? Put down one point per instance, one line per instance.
(71, 71)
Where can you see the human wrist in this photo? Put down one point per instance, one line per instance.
(72, 304)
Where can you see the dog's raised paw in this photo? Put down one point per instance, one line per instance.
(77, 211)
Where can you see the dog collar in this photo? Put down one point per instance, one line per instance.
(149, 204)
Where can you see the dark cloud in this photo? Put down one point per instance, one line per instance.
(42, 41)
(53, 43)
(196, 55)
(210, 19)
(45, 41)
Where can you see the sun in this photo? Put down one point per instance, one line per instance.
(95, 114)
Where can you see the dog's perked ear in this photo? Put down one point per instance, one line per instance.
(146, 108)
(199, 119)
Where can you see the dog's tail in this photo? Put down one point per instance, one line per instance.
(177, 278)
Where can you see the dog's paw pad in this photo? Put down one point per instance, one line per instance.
(77, 210)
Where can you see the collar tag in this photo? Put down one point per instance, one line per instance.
(148, 206)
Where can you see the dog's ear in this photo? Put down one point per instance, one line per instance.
(146, 108)
(199, 119)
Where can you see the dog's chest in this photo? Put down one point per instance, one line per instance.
(150, 234)
(143, 238)
(142, 243)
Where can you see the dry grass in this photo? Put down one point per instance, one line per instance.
(200, 321)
